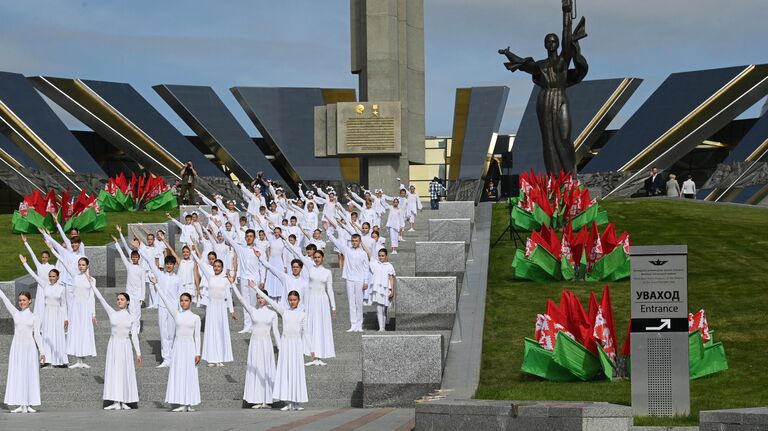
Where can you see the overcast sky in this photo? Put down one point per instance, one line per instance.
(305, 43)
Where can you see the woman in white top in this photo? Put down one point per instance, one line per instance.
(381, 285)
(217, 344)
(52, 313)
(320, 306)
(119, 373)
(81, 341)
(290, 380)
(274, 284)
(395, 223)
(183, 382)
(260, 368)
(186, 269)
(22, 386)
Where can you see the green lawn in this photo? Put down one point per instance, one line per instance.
(11, 245)
(728, 258)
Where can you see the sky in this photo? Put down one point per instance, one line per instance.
(305, 43)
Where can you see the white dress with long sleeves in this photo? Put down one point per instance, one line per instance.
(217, 345)
(119, 372)
(274, 284)
(183, 382)
(51, 309)
(319, 303)
(378, 284)
(134, 284)
(290, 379)
(81, 341)
(260, 368)
(22, 386)
(42, 268)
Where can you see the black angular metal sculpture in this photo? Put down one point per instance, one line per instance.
(554, 76)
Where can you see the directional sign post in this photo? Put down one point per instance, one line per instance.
(660, 377)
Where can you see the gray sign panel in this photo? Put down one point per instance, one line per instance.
(659, 339)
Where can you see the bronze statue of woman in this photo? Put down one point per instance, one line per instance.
(553, 76)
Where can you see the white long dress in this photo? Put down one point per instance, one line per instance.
(183, 382)
(51, 309)
(319, 303)
(274, 284)
(80, 338)
(290, 379)
(22, 386)
(260, 368)
(217, 344)
(119, 372)
(134, 285)
(378, 284)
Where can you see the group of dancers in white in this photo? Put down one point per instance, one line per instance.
(271, 259)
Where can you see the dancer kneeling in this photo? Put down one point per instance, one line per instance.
(183, 382)
(260, 368)
(290, 381)
(119, 374)
(22, 387)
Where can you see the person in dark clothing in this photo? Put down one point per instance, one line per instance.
(654, 184)
(188, 175)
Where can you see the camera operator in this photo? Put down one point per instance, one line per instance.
(188, 175)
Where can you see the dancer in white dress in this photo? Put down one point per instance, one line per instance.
(52, 312)
(381, 285)
(320, 306)
(290, 379)
(395, 223)
(134, 282)
(81, 306)
(42, 266)
(22, 386)
(183, 382)
(217, 345)
(119, 373)
(170, 284)
(413, 205)
(260, 368)
(274, 284)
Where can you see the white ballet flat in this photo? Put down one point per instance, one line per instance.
(351, 330)
(211, 365)
(320, 363)
(76, 365)
(84, 365)
(18, 409)
(244, 331)
(163, 365)
(125, 406)
(286, 408)
(298, 408)
(190, 409)
(310, 363)
(29, 409)
(180, 409)
(115, 406)
(393, 252)
(220, 365)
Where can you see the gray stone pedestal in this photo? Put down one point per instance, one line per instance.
(424, 303)
(441, 258)
(450, 230)
(398, 369)
(457, 209)
(750, 419)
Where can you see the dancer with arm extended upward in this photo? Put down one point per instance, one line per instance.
(183, 381)
(51, 309)
(22, 386)
(260, 368)
(119, 373)
(134, 283)
(168, 283)
(290, 379)
(217, 345)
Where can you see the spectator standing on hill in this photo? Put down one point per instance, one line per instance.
(654, 184)
(188, 175)
(689, 188)
(673, 188)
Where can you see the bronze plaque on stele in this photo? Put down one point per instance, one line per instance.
(368, 128)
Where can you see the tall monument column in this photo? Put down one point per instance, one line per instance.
(387, 53)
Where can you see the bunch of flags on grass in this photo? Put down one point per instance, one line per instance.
(583, 254)
(150, 192)
(554, 202)
(571, 344)
(41, 211)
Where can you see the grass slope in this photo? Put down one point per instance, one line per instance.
(11, 245)
(728, 251)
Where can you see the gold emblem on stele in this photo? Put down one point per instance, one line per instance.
(359, 109)
(375, 110)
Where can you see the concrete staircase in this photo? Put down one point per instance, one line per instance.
(336, 385)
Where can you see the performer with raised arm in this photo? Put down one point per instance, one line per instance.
(156, 251)
(413, 205)
(395, 223)
(355, 272)
(183, 382)
(169, 284)
(217, 345)
(73, 233)
(52, 313)
(248, 268)
(22, 385)
(119, 373)
(188, 232)
(290, 379)
(42, 266)
(381, 285)
(134, 283)
(81, 307)
(260, 367)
